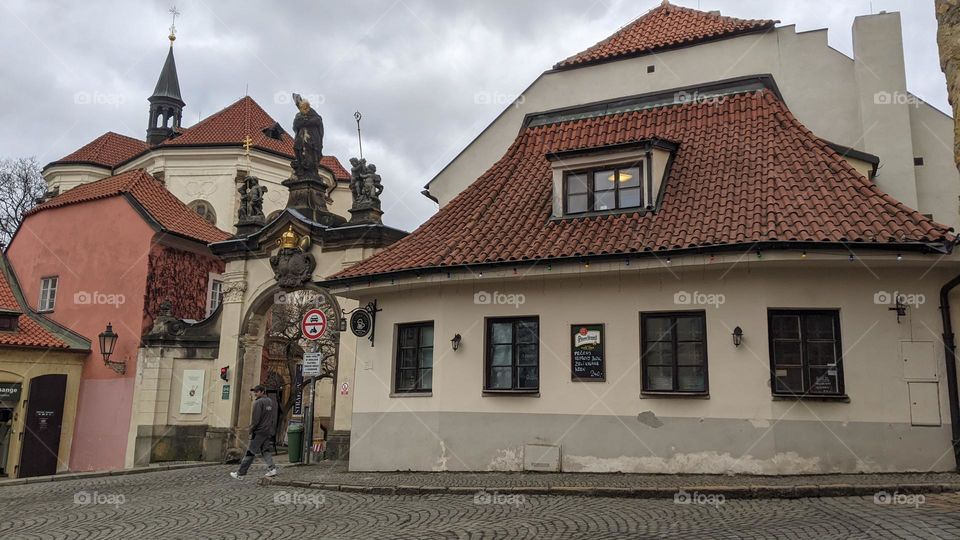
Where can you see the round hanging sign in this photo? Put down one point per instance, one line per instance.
(314, 324)
(361, 323)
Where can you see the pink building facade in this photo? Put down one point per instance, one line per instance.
(111, 252)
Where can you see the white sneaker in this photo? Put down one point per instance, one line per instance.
(271, 473)
(236, 476)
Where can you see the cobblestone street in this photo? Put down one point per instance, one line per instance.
(205, 503)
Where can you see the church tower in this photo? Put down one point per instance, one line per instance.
(166, 105)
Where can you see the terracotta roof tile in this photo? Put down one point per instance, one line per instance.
(745, 171)
(107, 150)
(163, 206)
(231, 125)
(664, 27)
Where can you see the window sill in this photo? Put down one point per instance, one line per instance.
(674, 395)
(496, 393)
(792, 397)
(598, 213)
(411, 394)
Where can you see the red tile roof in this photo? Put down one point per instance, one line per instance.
(29, 332)
(107, 150)
(664, 27)
(231, 125)
(163, 206)
(745, 171)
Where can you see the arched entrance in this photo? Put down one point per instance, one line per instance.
(271, 346)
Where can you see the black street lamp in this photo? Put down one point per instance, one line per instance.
(108, 340)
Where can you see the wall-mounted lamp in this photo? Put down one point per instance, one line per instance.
(737, 336)
(455, 342)
(108, 341)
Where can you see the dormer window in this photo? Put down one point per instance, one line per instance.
(605, 189)
(614, 179)
(8, 322)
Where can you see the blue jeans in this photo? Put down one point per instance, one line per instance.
(259, 444)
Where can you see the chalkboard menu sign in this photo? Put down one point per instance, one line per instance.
(586, 346)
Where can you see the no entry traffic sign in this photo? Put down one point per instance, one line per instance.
(314, 324)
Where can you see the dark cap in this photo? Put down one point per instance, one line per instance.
(259, 388)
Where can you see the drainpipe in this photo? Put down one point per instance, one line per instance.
(950, 347)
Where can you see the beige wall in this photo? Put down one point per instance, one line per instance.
(20, 366)
(739, 428)
(840, 107)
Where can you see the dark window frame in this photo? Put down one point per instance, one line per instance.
(642, 164)
(418, 387)
(804, 363)
(644, 341)
(488, 355)
(9, 322)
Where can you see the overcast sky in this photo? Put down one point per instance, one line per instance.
(413, 67)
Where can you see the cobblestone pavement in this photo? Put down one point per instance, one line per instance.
(334, 472)
(206, 503)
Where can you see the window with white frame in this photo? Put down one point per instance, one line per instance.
(48, 293)
(214, 293)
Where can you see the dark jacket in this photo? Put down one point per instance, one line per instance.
(264, 421)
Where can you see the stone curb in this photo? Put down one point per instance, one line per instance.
(101, 474)
(729, 492)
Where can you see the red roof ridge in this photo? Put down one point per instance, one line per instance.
(656, 30)
(165, 208)
(107, 150)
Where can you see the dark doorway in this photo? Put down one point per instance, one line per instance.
(41, 434)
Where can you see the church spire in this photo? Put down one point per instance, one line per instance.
(166, 103)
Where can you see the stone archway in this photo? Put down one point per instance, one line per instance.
(254, 334)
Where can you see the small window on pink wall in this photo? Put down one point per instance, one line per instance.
(48, 293)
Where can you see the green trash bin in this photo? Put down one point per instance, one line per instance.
(295, 443)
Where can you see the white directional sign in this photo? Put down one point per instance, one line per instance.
(314, 324)
(311, 364)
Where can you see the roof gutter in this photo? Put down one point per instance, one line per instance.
(950, 348)
(943, 248)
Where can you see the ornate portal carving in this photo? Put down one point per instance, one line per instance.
(293, 265)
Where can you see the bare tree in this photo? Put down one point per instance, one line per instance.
(21, 184)
(287, 337)
(948, 41)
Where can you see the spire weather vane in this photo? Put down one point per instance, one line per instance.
(173, 23)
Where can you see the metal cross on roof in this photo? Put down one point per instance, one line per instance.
(173, 23)
(247, 143)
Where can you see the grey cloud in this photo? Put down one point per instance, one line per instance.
(413, 67)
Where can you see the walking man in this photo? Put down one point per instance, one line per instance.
(263, 427)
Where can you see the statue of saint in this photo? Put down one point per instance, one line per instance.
(308, 142)
(365, 184)
(251, 200)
